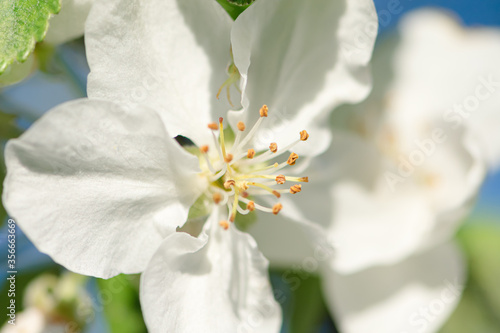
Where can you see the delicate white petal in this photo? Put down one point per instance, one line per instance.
(170, 55)
(70, 21)
(216, 283)
(413, 296)
(303, 58)
(384, 214)
(87, 180)
(457, 71)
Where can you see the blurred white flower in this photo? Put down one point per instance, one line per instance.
(33, 320)
(406, 171)
(102, 186)
(52, 304)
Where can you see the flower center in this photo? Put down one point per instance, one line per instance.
(237, 174)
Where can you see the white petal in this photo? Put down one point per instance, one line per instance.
(457, 71)
(295, 56)
(216, 283)
(413, 296)
(70, 21)
(86, 182)
(378, 221)
(169, 55)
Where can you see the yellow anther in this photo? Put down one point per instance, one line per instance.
(263, 111)
(217, 197)
(292, 158)
(228, 158)
(280, 179)
(273, 147)
(304, 135)
(244, 186)
(251, 206)
(277, 208)
(229, 183)
(241, 126)
(224, 224)
(277, 194)
(213, 126)
(250, 153)
(304, 179)
(204, 149)
(295, 188)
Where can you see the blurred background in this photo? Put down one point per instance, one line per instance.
(58, 74)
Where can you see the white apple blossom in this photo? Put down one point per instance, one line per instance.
(102, 186)
(404, 169)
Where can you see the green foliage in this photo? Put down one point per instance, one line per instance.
(22, 24)
(479, 308)
(18, 72)
(234, 7)
(241, 2)
(308, 309)
(120, 302)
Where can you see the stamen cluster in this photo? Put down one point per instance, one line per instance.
(237, 174)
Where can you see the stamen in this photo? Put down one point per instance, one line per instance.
(273, 147)
(228, 158)
(204, 149)
(251, 206)
(213, 126)
(229, 183)
(304, 135)
(263, 111)
(295, 188)
(244, 186)
(241, 126)
(264, 187)
(217, 197)
(257, 206)
(235, 206)
(275, 165)
(244, 194)
(292, 159)
(249, 135)
(224, 224)
(276, 178)
(221, 137)
(250, 153)
(277, 208)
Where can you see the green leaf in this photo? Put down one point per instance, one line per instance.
(234, 7)
(120, 300)
(479, 308)
(241, 2)
(18, 71)
(22, 24)
(308, 309)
